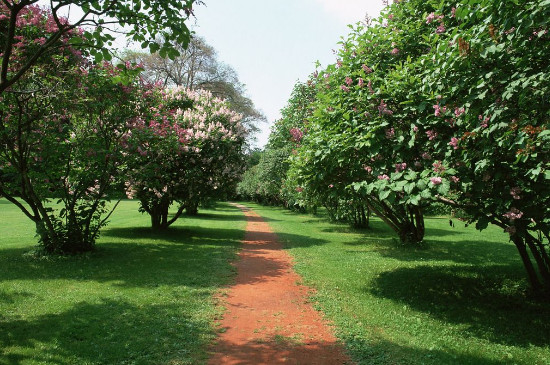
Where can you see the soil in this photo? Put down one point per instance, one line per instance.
(268, 319)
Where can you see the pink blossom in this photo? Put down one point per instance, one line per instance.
(349, 81)
(366, 68)
(439, 111)
(383, 177)
(430, 18)
(390, 133)
(440, 29)
(344, 88)
(395, 51)
(360, 82)
(383, 109)
(513, 214)
(339, 63)
(331, 186)
(296, 134)
(431, 134)
(436, 180)
(484, 121)
(415, 129)
(453, 12)
(438, 167)
(454, 143)
(426, 156)
(369, 85)
(455, 179)
(368, 169)
(459, 112)
(400, 167)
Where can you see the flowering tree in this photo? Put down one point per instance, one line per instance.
(491, 116)
(442, 101)
(58, 130)
(141, 22)
(185, 147)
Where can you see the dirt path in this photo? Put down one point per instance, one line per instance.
(268, 318)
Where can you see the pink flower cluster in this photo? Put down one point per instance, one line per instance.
(438, 167)
(513, 214)
(431, 134)
(484, 122)
(383, 177)
(383, 109)
(366, 68)
(439, 111)
(454, 143)
(400, 167)
(296, 134)
(432, 17)
(436, 180)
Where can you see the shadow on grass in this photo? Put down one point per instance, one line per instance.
(385, 352)
(475, 296)
(108, 332)
(463, 252)
(139, 257)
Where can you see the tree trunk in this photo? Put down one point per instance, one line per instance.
(531, 273)
(192, 209)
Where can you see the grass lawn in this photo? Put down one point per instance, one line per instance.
(140, 298)
(458, 300)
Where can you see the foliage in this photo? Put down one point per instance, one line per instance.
(140, 21)
(440, 100)
(266, 182)
(185, 147)
(142, 297)
(59, 129)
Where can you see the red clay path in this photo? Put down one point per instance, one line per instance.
(268, 319)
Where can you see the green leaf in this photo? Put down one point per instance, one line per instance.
(482, 223)
(383, 195)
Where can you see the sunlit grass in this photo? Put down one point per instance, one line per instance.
(141, 298)
(459, 299)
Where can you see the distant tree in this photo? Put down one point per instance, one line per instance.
(185, 148)
(197, 67)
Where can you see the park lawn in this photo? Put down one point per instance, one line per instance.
(457, 300)
(140, 298)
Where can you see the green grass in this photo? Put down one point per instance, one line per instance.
(140, 298)
(457, 300)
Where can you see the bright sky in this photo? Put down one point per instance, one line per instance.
(274, 43)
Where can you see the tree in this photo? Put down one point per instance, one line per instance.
(140, 21)
(58, 134)
(197, 67)
(185, 147)
(442, 101)
(266, 183)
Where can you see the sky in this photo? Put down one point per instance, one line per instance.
(274, 43)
